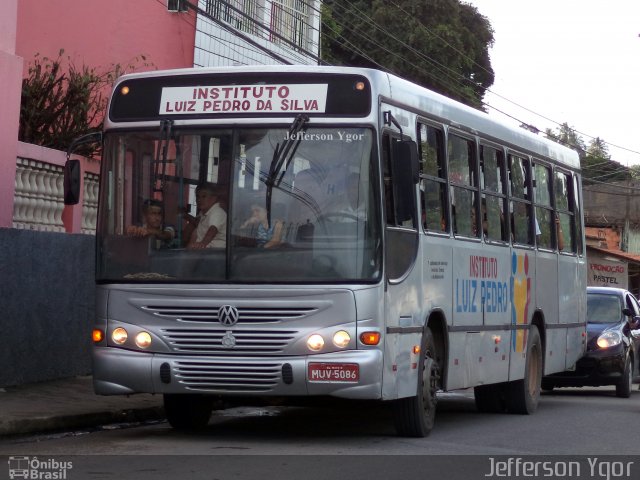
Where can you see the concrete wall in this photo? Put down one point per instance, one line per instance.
(46, 305)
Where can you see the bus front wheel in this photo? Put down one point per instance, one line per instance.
(187, 412)
(522, 396)
(415, 416)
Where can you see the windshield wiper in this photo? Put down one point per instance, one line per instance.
(160, 163)
(282, 155)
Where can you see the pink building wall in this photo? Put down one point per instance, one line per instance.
(95, 33)
(10, 87)
(105, 32)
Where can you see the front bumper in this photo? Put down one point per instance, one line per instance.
(122, 372)
(595, 368)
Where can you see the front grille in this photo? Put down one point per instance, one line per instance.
(227, 376)
(247, 315)
(227, 342)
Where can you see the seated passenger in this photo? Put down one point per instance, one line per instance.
(209, 228)
(152, 225)
(353, 208)
(266, 235)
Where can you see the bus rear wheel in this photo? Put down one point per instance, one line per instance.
(522, 396)
(187, 412)
(415, 416)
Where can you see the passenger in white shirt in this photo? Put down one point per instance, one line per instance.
(209, 228)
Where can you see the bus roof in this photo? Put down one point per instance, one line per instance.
(411, 96)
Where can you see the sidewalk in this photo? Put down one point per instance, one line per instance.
(67, 404)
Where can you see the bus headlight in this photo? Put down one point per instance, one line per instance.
(341, 339)
(119, 335)
(315, 342)
(143, 340)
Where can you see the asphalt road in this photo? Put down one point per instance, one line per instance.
(358, 441)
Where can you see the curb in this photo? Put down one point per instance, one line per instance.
(85, 420)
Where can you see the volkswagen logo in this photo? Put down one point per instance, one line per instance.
(228, 315)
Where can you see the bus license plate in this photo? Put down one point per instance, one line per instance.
(333, 372)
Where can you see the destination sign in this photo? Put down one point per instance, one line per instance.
(296, 98)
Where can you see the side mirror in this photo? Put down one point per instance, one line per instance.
(627, 312)
(72, 182)
(405, 155)
(405, 177)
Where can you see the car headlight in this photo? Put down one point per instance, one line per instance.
(609, 339)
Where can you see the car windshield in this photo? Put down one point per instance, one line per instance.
(603, 308)
(261, 205)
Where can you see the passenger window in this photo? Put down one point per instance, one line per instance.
(544, 221)
(464, 197)
(566, 212)
(577, 216)
(433, 180)
(520, 208)
(493, 197)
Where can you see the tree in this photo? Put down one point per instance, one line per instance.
(595, 160)
(568, 137)
(58, 104)
(599, 166)
(440, 44)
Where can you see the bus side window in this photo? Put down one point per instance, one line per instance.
(492, 209)
(433, 179)
(520, 204)
(462, 168)
(544, 218)
(565, 211)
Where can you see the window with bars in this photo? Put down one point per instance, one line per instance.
(243, 15)
(291, 19)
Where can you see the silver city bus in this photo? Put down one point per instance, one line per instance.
(322, 231)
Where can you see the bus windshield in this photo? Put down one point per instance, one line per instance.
(256, 205)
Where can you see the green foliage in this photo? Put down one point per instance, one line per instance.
(440, 44)
(59, 104)
(595, 160)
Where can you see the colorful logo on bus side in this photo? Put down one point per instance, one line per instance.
(520, 298)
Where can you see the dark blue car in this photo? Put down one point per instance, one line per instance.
(613, 344)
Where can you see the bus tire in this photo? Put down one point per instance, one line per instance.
(522, 396)
(415, 416)
(187, 412)
(490, 398)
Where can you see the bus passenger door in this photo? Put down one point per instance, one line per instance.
(402, 302)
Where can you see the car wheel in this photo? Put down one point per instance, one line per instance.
(187, 412)
(623, 387)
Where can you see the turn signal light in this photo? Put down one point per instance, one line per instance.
(97, 335)
(370, 338)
